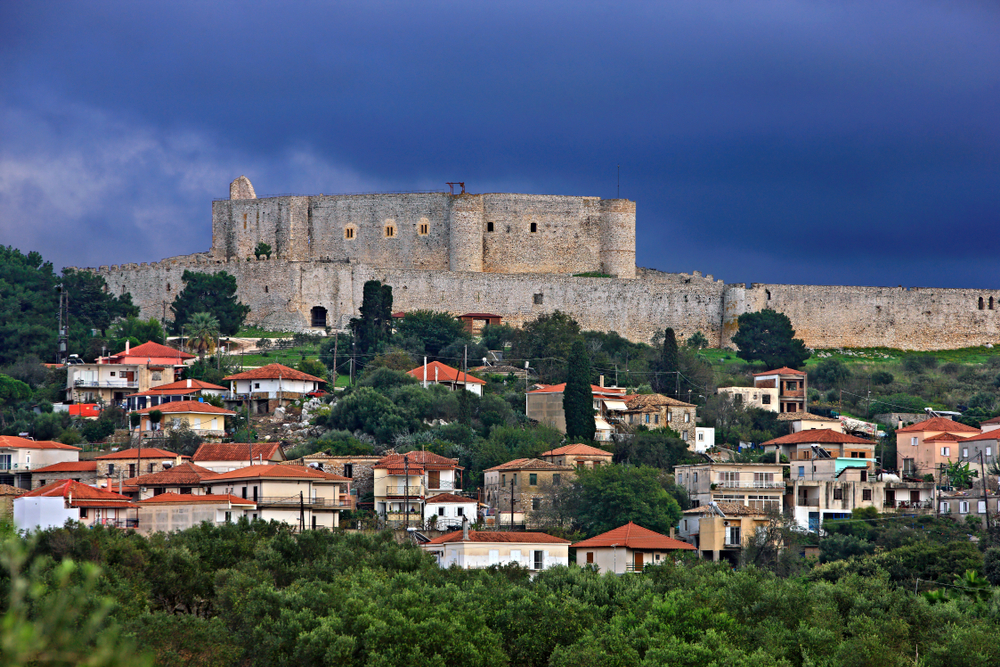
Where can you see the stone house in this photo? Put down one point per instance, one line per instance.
(765, 398)
(528, 482)
(658, 411)
(129, 463)
(271, 386)
(78, 471)
(359, 469)
(7, 495)
(544, 404)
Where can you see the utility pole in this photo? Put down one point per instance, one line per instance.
(406, 490)
(677, 392)
(336, 342)
(302, 513)
(62, 351)
(512, 500)
(986, 499)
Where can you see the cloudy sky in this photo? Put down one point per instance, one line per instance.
(766, 141)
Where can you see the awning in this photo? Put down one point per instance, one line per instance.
(614, 406)
(601, 424)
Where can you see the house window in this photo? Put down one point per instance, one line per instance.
(131, 470)
(112, 373)
(763, 480)
(440, 511)
(982, 507)
(701, 437)
(111, 469)
(730, 479)
(256, 385)
(533, 479)
(536, 503)
(513, 479)
(534, 227)
(802, 471)
(687, 417)
(590, 558)
(186, 490)
(460, 511)
(348, 233)
(503, 480)
(556, 479)
(765, 399)
(864, 475)
(989, 451)
(656, 419)
(684, 436)
(914, 441)
(838, 494)
(963, 507)
(539, 556)
(489, 226)
(670, 417)
(349, 470)
(151, 467)
(647, 419)
(965, 452)
(695, 478)
(83, 512)
(733, 535)
(424, 228)
(229, 517)
(946, 451)
(866, 495)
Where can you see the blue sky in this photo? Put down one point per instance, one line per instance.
(766, 141)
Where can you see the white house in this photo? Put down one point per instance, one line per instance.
(438, 373)
(447, 510)
(704, 438)
(168, 512)
(628, 548)
(53, 504)
(269, 386)
(19, 456)
(471, 549)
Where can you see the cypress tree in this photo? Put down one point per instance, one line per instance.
(669, 362)
(578, 398)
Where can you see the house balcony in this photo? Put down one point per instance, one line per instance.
(402, 491)
(105, 384)
(15, 467)
(344, 503)
(922, 505)
(750, 484)
(807, 502)
(797, 393)
(120, 523)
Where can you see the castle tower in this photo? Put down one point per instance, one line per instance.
(618, 237)
(465, 242)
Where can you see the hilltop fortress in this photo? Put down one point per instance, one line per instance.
(519, 256)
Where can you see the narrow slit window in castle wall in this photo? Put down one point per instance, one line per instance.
(265, 289)
(991, 303)
(980, 303)
(390, 231)
(534, 227)
(168, 287)
(489, 226)
(349, 232)
(538, 298)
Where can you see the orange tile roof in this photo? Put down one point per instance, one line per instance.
(238, 451)
(634, 536)
(427, 460)
(184, 474)
(578, 449)
(530, 464)
(818, 436)
(14, 442)
(277, 471)
(946, 437)
(449, 498)
(151, 349)
(442, 373)
(274, 372)
(147, 453)
(181, 386)
(938, 424)
(67, 488)
(985, 435)
(197, 407)
(69, 466)
(194, 499)
(994, 420)
(784, 370)
(499, 536)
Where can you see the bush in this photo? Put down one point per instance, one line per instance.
(882, 378)
(830, 373)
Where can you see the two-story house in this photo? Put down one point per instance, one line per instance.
(765, 398)
(125, 464)
(132, 371)
(925, 447)
(53, 504)
(167, 512)
(182, 390)
(791, 385)
(515, 489)
(226, 456)
(404, 482)
(203, 419)
(360, 469)
(20, 456)
(297, 495)
(804, 446)
(719, 531)
(757, 485)
(182, 479)
(544, 404)
(658, 411)
(271, 386)
(578, 456)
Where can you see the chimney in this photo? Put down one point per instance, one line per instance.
(465, 528)
(189, 383)
(672, 533)
(127, 345)
(602, 382)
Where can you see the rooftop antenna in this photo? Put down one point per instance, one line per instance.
(451, 187)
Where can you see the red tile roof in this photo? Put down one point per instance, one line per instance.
(449, 498)
(182, 475)
(181, 387)
(607, 392)
(784, 370)
(994, 420)
(818, 436)
(277, 471)
(238, 451)
(436, 371)
(938, 424)
(67, 488)
(578, 449)
(273, 372)
(427, 460)
(634, 536)
(194, 499)
(500, 536)
(985, 435)
(197, 407)
(147, 453)
(530, 464)
(69, 466)
(946, 437)
(14, 442)
(152, 349)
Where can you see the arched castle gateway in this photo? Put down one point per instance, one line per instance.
(518, 255)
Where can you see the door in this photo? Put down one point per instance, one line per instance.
(638, 561)
(434, 479)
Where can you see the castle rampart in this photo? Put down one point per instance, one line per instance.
(515, 255)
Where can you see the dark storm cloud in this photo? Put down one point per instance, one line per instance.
(767, 141)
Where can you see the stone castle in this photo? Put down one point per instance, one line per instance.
(519, 256)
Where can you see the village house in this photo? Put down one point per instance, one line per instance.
(447, 510)
(471, 549)
(791, 384)
(526, 482)
(719, 531)
(925, 447)
(183, 390)
(19, 457)
(167, 512)
(474, 322)
(628, 548)
(53, 505)
(296, 495)
(807, 445)
(128, 463)
(204, 419)
(226, 456)
(760, 486)
(359, 469)
(271, 386)
(78, 471)
(985, 443)
(578, 456)
(544, 404)
(403, 482)
(437, 373)
(182, 479)
(765, 398)
(132, 371)
(658, 411)
(806, 421)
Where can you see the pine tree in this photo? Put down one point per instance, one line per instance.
(578, 398)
